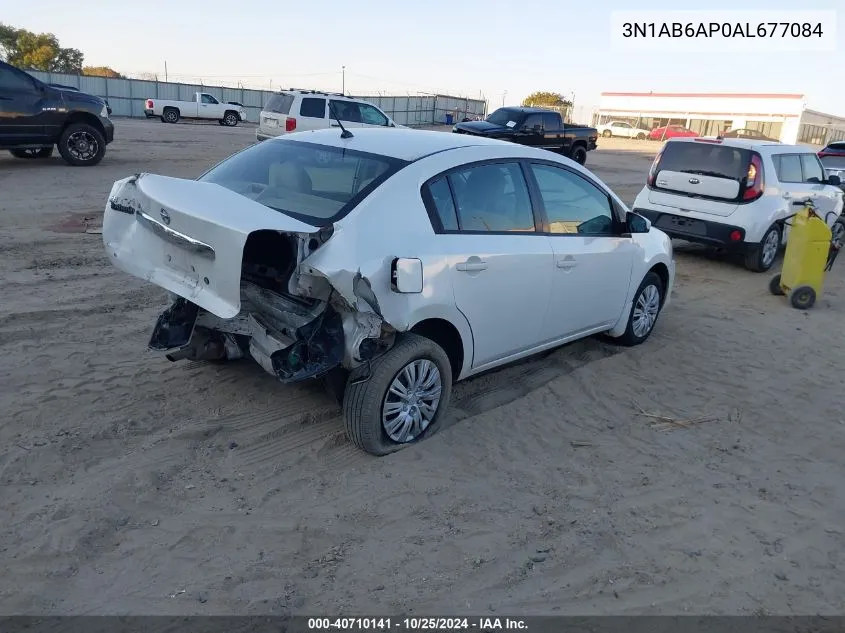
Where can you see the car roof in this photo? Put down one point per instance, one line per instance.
(402, 143)
(746, 143)
(527, 109)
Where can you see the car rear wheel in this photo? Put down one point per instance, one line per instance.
(82, 145)
(640, 136)
(645, 310)
(45, 152)
(760, 257)
(838, 232)
(170, 115)
(607, 134)
(579, 154)
(404, 398)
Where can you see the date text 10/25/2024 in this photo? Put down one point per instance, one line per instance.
(480, 624)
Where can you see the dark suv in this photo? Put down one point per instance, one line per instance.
(35, 116)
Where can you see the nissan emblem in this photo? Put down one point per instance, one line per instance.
(694, 181)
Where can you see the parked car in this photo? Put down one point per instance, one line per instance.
(535, 127)
(745, 133)
(204, 106)
(833, 159)
(75, 89)
(392, 262)
(622, 129)
(736, 194)
(302, 110)
(671, 131)
(35, 117)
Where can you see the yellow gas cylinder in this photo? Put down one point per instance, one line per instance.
(802, 277)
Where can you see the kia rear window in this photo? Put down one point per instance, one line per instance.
(838, 146)
(279, 103)
(318, 184)
(706, 159)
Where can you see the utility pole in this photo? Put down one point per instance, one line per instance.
(503, 98)
(343, 84)
(165, 71)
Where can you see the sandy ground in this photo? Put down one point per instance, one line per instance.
(134, 485)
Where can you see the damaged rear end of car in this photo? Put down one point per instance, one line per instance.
(233, 250)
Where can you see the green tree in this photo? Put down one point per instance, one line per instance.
(37, 51)
(101, 71)
(546, 99)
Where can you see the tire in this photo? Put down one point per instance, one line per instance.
(231, 118)
(640, 136)
(802, 297)
(643, 298)
(774, 286)
(82, 145)
(170, 115)
(30, 154)
(579, 154)
(607, 134)
(759, 258)
(364, 399)
(838, 232)
(221, 122)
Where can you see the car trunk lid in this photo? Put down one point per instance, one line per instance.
(187, 236)
(702, 176)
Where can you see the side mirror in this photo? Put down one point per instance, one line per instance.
(834, 180)
(638, 224)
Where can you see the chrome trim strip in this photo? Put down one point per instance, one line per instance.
(174, 237)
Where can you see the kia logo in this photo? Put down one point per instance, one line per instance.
(165, 216)
(694, 181)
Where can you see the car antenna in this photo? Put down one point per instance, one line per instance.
(345, 133)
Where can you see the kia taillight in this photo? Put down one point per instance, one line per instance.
(753, 179)
(290, 124)
(652, 173)
(149, 104)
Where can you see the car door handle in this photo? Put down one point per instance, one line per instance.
(472, 265)
(567, 262)
(787, 195)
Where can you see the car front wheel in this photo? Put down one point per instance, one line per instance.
(404, 398)
(645, 309)
(82, 145)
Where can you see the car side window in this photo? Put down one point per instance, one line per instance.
(345, 111)
(371, 115)
(209, 99)
(313, 108)
(531, 120)
(788, 167)
(813, 171)
(444, 205)
(573, 204)
(492, 197)
(551, 121)
(12, 80)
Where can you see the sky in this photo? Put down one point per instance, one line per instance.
(499, 49)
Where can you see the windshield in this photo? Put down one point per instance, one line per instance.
(706, 159)
(318, 184)
(503, 115)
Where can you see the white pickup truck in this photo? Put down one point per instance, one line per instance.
(204, 106)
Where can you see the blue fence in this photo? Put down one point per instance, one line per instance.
(126, 98)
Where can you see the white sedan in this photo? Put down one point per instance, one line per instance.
(622, 129)
(396, 260)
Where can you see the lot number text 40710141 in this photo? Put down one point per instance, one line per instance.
(417, 624)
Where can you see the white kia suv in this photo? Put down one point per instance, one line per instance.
(736, 194)
(303, 110)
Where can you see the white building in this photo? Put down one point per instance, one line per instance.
(780, 116)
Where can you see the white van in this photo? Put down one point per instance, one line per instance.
(736, 193)
(302, 110)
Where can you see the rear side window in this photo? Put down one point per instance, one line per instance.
(313, 108)
(706, 159)
(493, 198)
(345, 111)
(788, 167)
(279, 103)
(551, 121)
(444, 205)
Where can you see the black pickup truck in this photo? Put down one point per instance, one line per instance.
(535, 127)
(35, 117)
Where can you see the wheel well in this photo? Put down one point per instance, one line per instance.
(663, 272)
(166, 108)
(446, 336)
(235, 112)
(87, 118)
